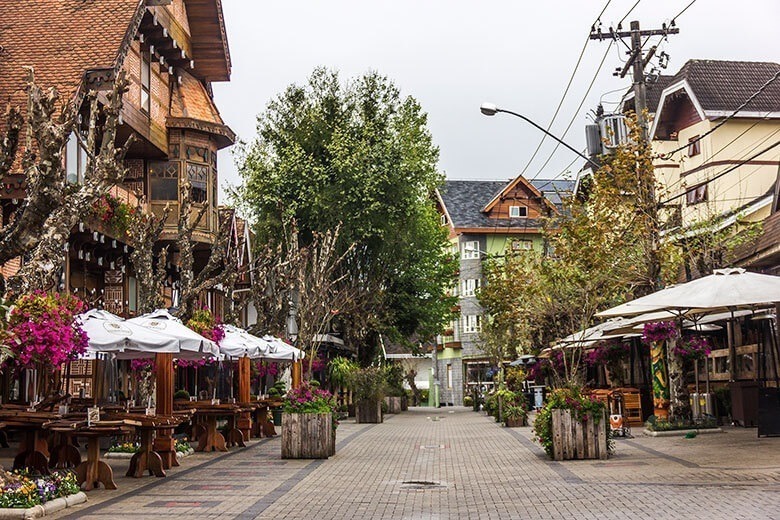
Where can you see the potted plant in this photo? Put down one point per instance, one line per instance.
(515, 415)
(308, 423)
(276, 392)
(573, 425)
(394, 387)
(368, 385)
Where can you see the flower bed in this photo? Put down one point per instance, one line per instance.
(126, 450)
(21, 491)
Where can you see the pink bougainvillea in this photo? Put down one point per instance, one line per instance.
(207, 325)
(43, 331)
(659, 331)
(694, 347)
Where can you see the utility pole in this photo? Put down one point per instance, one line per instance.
(638, 61)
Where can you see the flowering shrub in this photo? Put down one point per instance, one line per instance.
(113, 212)
(207, 325)
(195, 363)
(567, 398)
(182, 445)
(659, 331)
(43, 332)
(693, 348)
(607, 353)
(20, 490)
(264, 368)
(308, 399)
(142, 365)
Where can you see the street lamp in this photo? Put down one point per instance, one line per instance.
(490, 109)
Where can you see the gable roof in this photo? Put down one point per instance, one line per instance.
(653, 95)
(464, 201)
(517, 181)
(61, 39)
(722, 86)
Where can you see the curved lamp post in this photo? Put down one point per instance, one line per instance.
(490, 109)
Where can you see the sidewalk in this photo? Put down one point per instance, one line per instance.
(454, 463)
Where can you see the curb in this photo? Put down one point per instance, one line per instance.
(49, 508)
(678, 433)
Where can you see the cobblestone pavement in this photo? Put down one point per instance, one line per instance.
(454, 463)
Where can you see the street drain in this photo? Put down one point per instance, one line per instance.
(421, 484)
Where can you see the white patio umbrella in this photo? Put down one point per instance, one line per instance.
(191, 344)
(239, 343)
(109, 333)
(724, 290)
(281, 351)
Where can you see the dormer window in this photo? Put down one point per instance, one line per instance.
(443, 220)
(518, 211)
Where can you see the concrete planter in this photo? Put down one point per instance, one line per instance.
(49, 508)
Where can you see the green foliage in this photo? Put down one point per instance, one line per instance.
(339, 370)
(359, 156)
(566, 398)
(181, 394)
(514, 378)
(394, 379)
(309, 399)
(368, 384)
(510, 401)
(468, 401)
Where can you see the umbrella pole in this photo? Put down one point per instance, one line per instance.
(164, 443)
(245, 420)
(732, 349)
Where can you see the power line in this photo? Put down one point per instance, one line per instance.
(565, 92)
(576, 112)
(711, 130)
(747, 149)
(721, 174)
(681, 12)
(620, 23)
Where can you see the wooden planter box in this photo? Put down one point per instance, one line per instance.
(393, 404)
(404, 403)
(368, 412)
(515, 423)
(308, 436)
(573, 439)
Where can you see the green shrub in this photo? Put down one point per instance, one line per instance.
(368, 384)
(181, 394)
(468, 401)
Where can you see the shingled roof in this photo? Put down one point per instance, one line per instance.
(464, 200)
(725, 85)
(61, 39)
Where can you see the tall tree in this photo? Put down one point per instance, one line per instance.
(358, 156)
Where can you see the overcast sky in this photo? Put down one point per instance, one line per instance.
(452, 55)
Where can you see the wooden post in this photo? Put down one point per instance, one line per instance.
(245, 420)
(297, 372)
(164, 443)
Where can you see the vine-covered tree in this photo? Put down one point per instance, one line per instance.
(359, 156)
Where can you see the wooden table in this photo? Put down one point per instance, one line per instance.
(33, 451)
(93, 471)
(210, 439)
(262, 426)
(147, 427)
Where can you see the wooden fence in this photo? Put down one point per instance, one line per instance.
(574, 439)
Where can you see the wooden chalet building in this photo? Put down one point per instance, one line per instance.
(485, 218)
(171, 51)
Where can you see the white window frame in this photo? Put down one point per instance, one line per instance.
(522, 245)
(472, 323)
(469, 287)
(515, 212)
(470, 250)
(443, 220)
